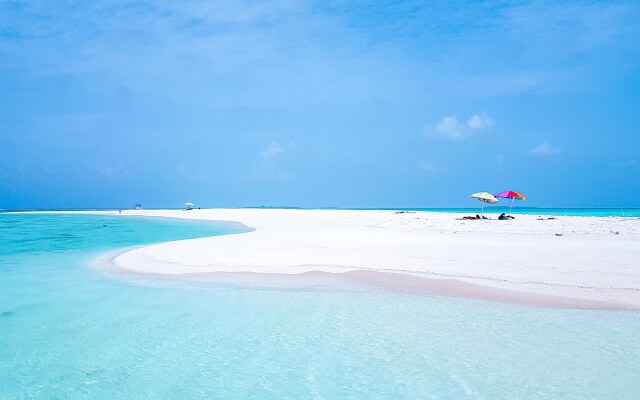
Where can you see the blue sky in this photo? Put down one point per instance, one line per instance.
(315, 104)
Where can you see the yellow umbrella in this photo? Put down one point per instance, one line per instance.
(485, 197)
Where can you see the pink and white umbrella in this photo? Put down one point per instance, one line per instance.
(510, 194)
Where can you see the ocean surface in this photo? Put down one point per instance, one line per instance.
(569, 212)
(68, 331)
(574, 212)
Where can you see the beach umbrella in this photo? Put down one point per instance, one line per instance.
(510, 194)
(137, 205)
(189, 204)
(484, 197)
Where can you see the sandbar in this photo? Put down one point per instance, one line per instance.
(577, 262)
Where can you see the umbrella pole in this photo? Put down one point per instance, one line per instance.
(482, 210)
(511, 204)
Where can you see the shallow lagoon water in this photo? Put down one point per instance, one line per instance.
(70, 331)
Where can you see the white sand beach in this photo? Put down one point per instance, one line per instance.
(585, 262)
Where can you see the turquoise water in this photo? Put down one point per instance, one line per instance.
(70, 332)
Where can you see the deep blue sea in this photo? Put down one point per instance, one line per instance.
(575, 212)
(68, 331)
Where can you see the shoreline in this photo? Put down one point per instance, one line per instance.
(363, 280)
(575, 262)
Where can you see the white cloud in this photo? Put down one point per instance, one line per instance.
(479, 122)
(272, 151)
(545, 149)
(450, 128)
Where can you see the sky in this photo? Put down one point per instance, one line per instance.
(376, 104)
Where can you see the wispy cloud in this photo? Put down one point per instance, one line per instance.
(271, 166)
(119, 171)
(451, 128)
(545, 149)
(626, 164)
(247, 51)
(581, 27)
(192, 174)
(427, 167)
